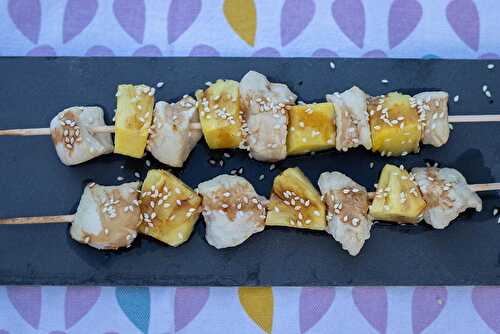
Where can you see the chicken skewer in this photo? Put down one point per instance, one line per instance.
(167, 209)
(253, 114)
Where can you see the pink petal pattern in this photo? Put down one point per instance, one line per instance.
(464, 19)
(188, 303)
(148, 51)
(372, 304)
(42, 51)
(99, 51)
(77, 16)
(131, 15)
(27, 301)
(203, 50)
(374, 54)
(266, 52)
(350, 17)
(427, 304)
(486, 301)
(295, 16)
(27, 16)
(404, 17)
(78, 302)
(324, 53)
(313, 304)
(181, 15)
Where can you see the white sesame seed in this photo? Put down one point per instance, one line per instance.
(456, 98)
(491, 66)
(208, 83)
(332, 65)
(137, 175)
(148, 163)
(485, 88)
(495, 211)
(120, 178)
(384, 81)
(372, 164)
(487, 93)
(160, 84)
(261, 177)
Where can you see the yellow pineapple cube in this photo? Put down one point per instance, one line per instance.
(312, 128)
(398, 198)
(394, 125)
(134, 114)
(169, 208)
(295, 202)
(220, 118)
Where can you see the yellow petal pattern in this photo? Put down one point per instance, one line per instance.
(242, 17)
(258, 304)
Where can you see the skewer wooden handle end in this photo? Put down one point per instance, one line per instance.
(38, 220)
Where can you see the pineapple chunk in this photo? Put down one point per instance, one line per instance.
(398, 198)
(394, 124)
(219, 108)
(312, 128)
(134, 114)
(295, 202)
(169, 208)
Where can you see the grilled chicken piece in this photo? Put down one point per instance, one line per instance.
(263, 105)
(347, 203)
(394, 124)
(134, 114)
(433, 110)
(446, 193)
(107, 216)
(233, 211)
(351, 116)
(171, 140)
(73, 138)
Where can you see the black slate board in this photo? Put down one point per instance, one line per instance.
(34, 182)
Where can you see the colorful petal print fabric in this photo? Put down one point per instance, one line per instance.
(256, 28)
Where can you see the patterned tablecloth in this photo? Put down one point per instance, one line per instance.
(351, 28)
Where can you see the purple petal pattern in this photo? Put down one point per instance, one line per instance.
(324, 53)
(404, 17)
(464, 19)
(77, 16)
(131, 15)
(427, 303)
(203, 50)
(181, 15)
(3, 331)
(313, 304)
(148, 51)
(350, 17)
(27, 16)
(374, 54)
(486, 301)
(489, 55)
(28, 303)
(266, 52)
(78, 302)
(42, 51)
(295, 16)
(188, 303)
(99, 51)
(372, 304)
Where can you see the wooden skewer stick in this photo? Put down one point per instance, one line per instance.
(38, 220)
(46, 131)
(197, 126)
(69, 218)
